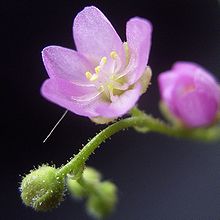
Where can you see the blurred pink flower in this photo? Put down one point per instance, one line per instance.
(191, 94)
(104, 78)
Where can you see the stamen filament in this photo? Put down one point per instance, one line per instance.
(94, 77)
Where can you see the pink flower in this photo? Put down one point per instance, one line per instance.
(105, 77)
(190, 93)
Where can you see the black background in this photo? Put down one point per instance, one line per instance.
(158, 177)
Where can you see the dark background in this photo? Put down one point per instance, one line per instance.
(158, 177)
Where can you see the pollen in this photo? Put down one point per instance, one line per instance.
(97, 69)
(113, 55)
(103, 61)
(88, 75)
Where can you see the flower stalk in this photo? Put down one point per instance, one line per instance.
(145, 122)
(32, 187)
(101, 196)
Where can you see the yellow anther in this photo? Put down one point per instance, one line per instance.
(103, 61)
(88, 75)
(98, 69)
(113, 55)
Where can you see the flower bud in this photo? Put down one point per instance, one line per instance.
(90, 176)
(42, 189)
(102, 203)
(191, 94)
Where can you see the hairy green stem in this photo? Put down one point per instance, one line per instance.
(88, 149)
(139, 119)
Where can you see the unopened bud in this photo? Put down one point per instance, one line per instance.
(90, 176)
(191, 94)
(102, 203)
(42, 189)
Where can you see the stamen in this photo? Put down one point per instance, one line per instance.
(103, 61)
(113, 55)
(98, 69)
(110, 91)
(94, 77)
(88, 75)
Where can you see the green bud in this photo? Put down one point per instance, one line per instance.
(42, 189)
(76, 190)
(102, 203)
(101, 197)
(90, 176)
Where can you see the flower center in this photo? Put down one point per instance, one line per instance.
(105, 76)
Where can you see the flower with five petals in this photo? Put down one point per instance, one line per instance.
(105, 77)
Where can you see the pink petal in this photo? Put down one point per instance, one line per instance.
(138, 32)
(87, 101)
(166, 82)
(185, 67)
(94, 35)
(66, 64)
(121, 105)
(202, 79)
(190, 93)
(189, 68)
(196, 109)
(75, 98)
